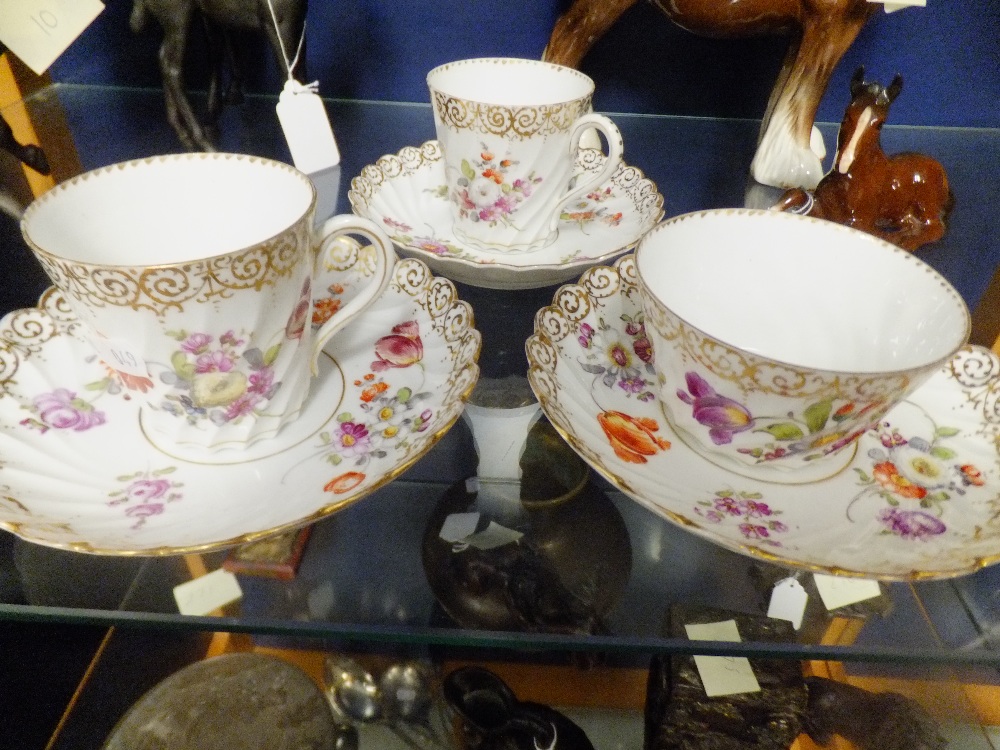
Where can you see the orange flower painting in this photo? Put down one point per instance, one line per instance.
(632, 438)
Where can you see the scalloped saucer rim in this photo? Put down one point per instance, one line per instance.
(384, 409)
(920, 499)
(593, 224)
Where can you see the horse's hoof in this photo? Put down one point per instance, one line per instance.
(785, 165)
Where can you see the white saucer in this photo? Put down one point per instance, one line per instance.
(78, 472)
(405, 194)
(919, 500)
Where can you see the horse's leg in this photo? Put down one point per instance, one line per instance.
(216, 56)
(28, 154)
(580, 27)
(816, 140)
(785, 156)
(179, 113)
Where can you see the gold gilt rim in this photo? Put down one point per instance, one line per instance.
(73, 182)
(512, 61)
(621, 485)
(828, 226)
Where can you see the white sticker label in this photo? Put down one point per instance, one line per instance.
(207, 593)
(838, 592)
(493, 536)
(788, 602)
(894, 5)
(119, 355)
(38, 31)
(457, 526)
(722, 675)
(307, 128)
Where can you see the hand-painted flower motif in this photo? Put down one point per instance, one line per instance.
(344, 482)
(296, 324)
(62, 409)
(145, 494)
(910, 524)
(401, 348)
(632, 438)
(723, 416)
(889, 477)
(324, 310)
(918, 474)
(755, 519)
(590, 210)
(485, 191)
(218, 381)
(621, 362)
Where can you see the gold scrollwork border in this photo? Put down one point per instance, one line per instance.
(161, 288)
(510, 122)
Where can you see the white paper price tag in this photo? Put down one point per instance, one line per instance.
(894, 5)
(722, 675)
(207, 593)
(38, 31)
(120, 356)
(307, 128)
(457, 526)
(788, 602)
(838, 592)
(493, 536)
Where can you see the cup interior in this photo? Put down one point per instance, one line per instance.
(801, 291)
(508, 81)
(168, 209)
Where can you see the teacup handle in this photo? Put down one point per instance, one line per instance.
(585, 182)
(385, 261)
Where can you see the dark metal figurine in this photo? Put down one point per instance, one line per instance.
(903, 198)
(282, 21)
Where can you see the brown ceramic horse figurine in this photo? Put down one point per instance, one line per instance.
(902, 198)
(790, 150)
(283, 30)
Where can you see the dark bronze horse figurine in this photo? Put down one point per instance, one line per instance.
(790, 150)
(902, 198)
(283, 30)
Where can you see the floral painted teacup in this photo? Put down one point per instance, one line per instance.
(510, 131)
(193, 277)
(779, 339)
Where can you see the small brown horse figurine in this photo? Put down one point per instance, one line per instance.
(790, 150)
(902, 198)
(283, 30)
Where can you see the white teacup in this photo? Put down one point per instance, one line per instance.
(510, 131)
(193, 275)
(779, 339)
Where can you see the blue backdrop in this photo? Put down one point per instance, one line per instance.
(948, 53)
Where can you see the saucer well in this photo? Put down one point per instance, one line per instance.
(406, 195)
(77, 470)
(919, 500)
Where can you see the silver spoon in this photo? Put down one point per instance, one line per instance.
(408, 695)
(354, 696)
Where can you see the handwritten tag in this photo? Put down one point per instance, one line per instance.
(38, 31)
(307, 128)
(722, 675)
(891, 6)
(202, 595)
(788, 602)
(120, 355)
(838, 592)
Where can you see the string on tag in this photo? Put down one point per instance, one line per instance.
(302, 115)
(289, 66)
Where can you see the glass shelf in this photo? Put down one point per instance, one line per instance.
(363, 579)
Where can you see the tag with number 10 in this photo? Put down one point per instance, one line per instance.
(38, 31)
